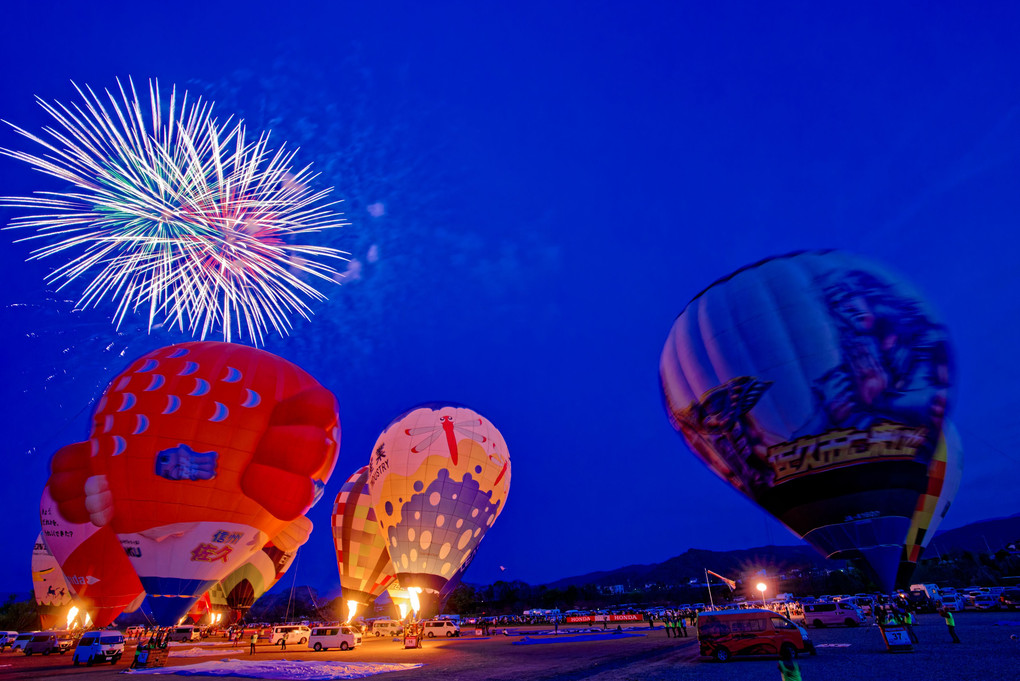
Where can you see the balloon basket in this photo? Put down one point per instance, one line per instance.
(897, 639)
(146, 657)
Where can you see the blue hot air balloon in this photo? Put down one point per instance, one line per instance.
(817, 384)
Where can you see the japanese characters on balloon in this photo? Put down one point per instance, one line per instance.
(199, 453)
(817, 384)
(93, 563)
(245, 585)
(439, 476)
(53, 595)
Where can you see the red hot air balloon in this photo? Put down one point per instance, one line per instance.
(361, 555)
(92, 559)
(198, 454)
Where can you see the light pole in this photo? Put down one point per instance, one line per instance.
(761, 587)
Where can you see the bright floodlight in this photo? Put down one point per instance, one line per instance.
(352, 607)
(761, 587)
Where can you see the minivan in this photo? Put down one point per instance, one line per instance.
(341, 636)
(827, 614)
(99, 646)
(387, 628)
(186, 634)
(22, 640)
(725, 633)
(950, 602)
(433, 628)
(8, 637)
(294, 633)
(47, 642)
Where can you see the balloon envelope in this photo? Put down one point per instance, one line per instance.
(93, 563)
(816, 384)
(944, 473)
(199, 453)
(439, 477)
(53, 596)
(361, 555)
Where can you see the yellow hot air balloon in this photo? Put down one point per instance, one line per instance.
(439, 477)
(944, 473)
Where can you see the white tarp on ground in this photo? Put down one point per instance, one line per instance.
(203, 652)
(281, 669)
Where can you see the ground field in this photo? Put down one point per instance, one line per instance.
(987, 652)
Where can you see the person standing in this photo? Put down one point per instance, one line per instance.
(683, 624)
(789, 670)
(667, 623)
(283, 642)
(254, 640)
(909, 622)
(950, 624)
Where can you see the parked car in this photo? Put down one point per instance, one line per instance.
(22, 640)
(983, 602)
(294, 633)
(828, 614)
(1010, 599)
(185, 634)
(727, 633)
(433, 628)
(387, 628)
(47, 642)
(98, 647)
(7, 637)
(341, 636)
(951, 602)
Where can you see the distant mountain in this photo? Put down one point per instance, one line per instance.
(692, 564)
(983, 536)
(979, 537)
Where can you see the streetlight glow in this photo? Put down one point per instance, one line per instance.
(761, 587)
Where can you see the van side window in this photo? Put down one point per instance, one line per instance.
(780, 623)
(747, 626)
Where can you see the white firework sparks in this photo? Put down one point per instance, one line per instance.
(177, 214)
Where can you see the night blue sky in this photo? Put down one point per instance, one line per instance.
(560, 179)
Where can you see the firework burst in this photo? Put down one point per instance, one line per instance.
(173, 213)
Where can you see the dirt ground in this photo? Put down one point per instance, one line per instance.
(987, 652)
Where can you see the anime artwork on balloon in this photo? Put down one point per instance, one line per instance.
(817, 384)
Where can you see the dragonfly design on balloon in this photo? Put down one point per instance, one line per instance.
(450, 429)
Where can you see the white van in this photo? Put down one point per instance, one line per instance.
(951, 602)
(827, 614)
(341, 636)
(387, 628)
(22, 640)
(99, 646)
(293, 633)
(7, 637)
(433, 628)
(186, 634)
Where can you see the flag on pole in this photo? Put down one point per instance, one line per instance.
(728, 582)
